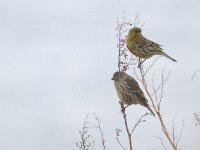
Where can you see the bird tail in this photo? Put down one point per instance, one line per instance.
(147, 106)
(164, 54)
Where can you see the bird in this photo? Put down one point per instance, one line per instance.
(142, 47)
(128, 90)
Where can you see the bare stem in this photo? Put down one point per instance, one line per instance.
(161, 140)
(118, 131)
(126, 125)
(101, 131)
(85, 143)
(157, 110)
(195, 73)
(141, 119)
(197, 118)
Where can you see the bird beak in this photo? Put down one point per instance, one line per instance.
(112, 78)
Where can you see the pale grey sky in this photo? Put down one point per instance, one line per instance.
(57, 59)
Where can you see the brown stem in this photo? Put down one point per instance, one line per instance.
(157, 110)
(126, 125)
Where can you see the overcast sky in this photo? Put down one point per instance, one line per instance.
(57, 59)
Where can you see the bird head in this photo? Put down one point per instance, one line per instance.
(118, 75)
(135, 30)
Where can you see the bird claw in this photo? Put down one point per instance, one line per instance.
(139, 65)
(140, 62)
(122, 107)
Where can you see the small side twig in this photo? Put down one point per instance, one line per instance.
(161, 140)
(195, 73)
(86, 142)
(197, 118)
(126, 125)
(118, 131)
(140, 120)
(157, 109)
(180, 134)
(101, 132)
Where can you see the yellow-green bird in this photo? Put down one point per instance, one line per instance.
(141, 46)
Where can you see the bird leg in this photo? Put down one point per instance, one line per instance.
(122, 107)
(126, 106)
(140, 62)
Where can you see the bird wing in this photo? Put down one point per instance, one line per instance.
(134, 88)
(148, 44)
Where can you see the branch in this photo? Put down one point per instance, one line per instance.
(139, 121)
(195, 73)
(161, 140)
(101, 132)
(126, 125)
(156, 109)
(117, 138)
(180, 134)
(85, 142)
(197, 118)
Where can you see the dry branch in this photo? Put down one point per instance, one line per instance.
(197, 118)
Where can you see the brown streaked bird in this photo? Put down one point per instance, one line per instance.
(129, 91)
(143, 47)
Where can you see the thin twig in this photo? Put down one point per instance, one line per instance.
(173, 131)
(161, 140)
(180, 134)
(197, 118)
(85, 142)
(139, 121)
(101, 132)
(118, 131)
(163, 81)
(195, 73)
(164, 129)
(126, 125)
(151, 65)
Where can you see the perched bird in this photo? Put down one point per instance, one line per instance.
(141, 46)
(128, 90)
